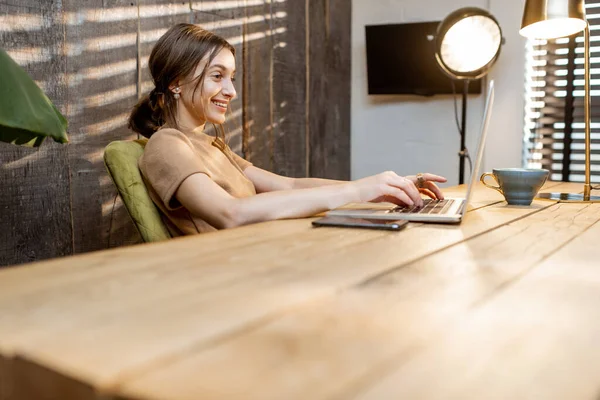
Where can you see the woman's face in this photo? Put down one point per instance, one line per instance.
(212, 98)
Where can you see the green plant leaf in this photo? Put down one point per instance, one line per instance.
(27, 116)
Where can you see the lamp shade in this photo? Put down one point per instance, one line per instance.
(550, 19)
(468, 43)
(27, 116)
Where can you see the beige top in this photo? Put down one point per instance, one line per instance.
(171, 156)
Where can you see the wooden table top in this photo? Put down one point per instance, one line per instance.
(505, 305)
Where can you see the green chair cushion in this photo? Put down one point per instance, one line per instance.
(121, 160)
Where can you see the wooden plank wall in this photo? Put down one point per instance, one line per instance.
(289, 63)
(35, 204)
(291, 116)
(101, 35)
(329, 77)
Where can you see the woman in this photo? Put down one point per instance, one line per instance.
(196, 180)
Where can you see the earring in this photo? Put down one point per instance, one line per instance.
(176, 94)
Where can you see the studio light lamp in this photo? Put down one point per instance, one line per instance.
(552, 19)
(468, 43)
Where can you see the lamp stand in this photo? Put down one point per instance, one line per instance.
(587, 187)
(463, 133)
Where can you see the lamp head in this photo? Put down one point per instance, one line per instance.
(468, 43)
(551, 19)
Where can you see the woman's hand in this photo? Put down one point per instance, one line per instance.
(426, 184)
(389, 187)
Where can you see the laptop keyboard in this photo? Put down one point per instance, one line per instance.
(430, 206)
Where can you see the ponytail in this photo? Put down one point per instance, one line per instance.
(147, 116)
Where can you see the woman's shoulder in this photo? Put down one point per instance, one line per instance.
(166, 134)
(165, 138)
(163, 142)
(173, 142)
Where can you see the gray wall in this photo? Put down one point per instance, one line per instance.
(292, 115)
(410, 134)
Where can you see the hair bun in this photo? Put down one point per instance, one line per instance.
(146, 116)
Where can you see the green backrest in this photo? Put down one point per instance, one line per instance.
(121, 160)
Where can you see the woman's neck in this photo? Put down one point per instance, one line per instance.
(187, 123)
(193, 130)
(190, 127)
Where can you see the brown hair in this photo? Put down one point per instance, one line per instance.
(175, 55)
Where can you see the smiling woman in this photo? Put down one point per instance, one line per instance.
(196, 180)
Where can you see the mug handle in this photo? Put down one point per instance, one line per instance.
(482, 179)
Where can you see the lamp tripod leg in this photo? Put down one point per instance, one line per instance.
(463, 132)
(587, 187)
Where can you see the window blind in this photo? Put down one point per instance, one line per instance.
(554, 96)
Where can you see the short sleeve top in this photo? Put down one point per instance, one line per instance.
(170, 156)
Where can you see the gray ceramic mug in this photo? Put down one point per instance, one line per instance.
(518, 185)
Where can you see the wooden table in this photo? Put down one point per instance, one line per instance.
(504, 306)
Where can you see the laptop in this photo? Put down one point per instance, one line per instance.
(450, 210)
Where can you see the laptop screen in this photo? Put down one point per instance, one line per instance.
(482, 137)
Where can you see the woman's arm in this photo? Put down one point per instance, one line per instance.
(204, 198)
(304, 183)
(265, 181)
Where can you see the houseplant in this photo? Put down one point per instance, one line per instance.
(27, 116)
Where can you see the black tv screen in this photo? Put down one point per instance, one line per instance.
(401, 60)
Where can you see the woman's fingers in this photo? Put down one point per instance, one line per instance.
(434, 178)
(428, 177)
(400, 195)
(428, 185)
(409, 188)
(405, 190)
(428, 193)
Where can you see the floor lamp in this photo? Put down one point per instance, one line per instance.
(467, 45)
(551, 19)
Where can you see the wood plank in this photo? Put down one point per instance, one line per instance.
(101, 35)
(538, 339)
(36, 284)
(6, 379)
(34, 277)
(35, 221)
(18, 282)
(289, 107)
(58, 277)
(40, 383)
(258, 45)
(270, 281)
(329, 59)
(332, 348)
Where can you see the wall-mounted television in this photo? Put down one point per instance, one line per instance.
(401, 60)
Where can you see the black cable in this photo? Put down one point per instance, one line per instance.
(112, 212)
(467, 154)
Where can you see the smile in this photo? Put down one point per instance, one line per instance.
(219, 104)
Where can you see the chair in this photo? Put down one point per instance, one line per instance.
(121, 160)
